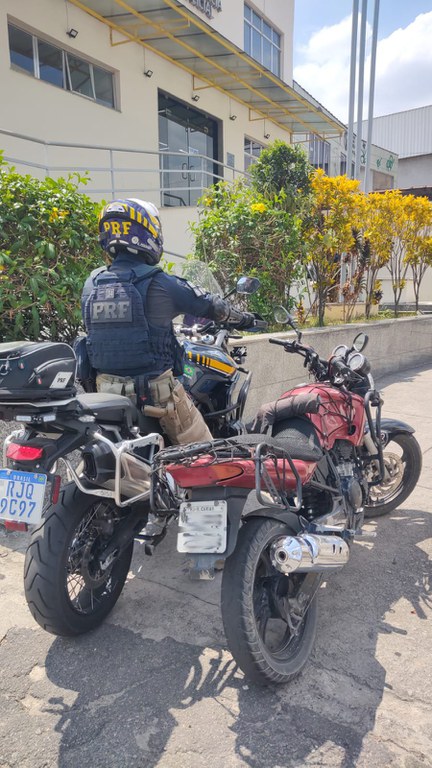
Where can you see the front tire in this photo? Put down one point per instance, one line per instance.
(403, 463)
(253, 596)
(66, 590)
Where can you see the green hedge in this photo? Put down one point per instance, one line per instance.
(48, 246)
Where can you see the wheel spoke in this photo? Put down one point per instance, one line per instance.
(277, 624)
(86, 584)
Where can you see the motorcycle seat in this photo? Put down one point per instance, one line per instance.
(301, 446)
(111, 409)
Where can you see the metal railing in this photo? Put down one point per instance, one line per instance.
(167, 178)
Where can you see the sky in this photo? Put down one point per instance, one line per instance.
(322, 49)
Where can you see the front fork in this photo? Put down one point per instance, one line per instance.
(372, 437)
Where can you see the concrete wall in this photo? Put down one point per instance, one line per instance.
(393, 345)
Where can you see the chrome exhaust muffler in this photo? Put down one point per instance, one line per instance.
(309, 552)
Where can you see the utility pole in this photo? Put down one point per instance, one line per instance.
(371, 95)
(352, 88)
(362, 51)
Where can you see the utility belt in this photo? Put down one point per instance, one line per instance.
(117, 385)
(165, 399)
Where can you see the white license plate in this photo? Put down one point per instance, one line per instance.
(202, 527)
(21, 496)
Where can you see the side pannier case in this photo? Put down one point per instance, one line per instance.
(31, 370)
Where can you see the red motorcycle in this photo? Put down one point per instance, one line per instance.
(322, 459)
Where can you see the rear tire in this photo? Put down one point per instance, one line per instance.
(242, 606)
(62, 557)
(406, 471)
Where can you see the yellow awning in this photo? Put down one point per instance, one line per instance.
(170, 30)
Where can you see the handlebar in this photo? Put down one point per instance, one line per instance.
(340, 367)
(261, 325)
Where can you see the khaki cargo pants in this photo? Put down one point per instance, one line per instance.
(178, 416)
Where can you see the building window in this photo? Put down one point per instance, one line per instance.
(319, 153)
(252, 150)
(261, 41)
(54, 65)
(343, 164)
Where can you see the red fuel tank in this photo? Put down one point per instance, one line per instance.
(341, 415)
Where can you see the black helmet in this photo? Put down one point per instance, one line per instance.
(132, 225)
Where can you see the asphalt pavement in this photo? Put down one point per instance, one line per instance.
(156, 685)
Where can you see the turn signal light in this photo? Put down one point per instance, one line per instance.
(23, 452)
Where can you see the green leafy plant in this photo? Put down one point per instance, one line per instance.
(48, 246)
(255, 227)
(240, 232)
(283, 170)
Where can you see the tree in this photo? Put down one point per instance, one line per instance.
(379, 245)
(396, 226)
(48, 246)
(283, 170)
(359, 258)
(242, 232)
(418, 252)
(336, 205)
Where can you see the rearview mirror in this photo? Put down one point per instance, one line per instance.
(247, 285)
(360, 342)
(282, 316)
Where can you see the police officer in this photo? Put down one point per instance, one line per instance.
(128, 308)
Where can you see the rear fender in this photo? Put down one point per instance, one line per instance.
(236, 501)
(282, 516)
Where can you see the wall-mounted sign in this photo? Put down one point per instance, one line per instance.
(207, 6)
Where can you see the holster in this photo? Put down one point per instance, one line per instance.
(179, 417)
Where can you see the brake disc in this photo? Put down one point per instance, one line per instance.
(394, 469)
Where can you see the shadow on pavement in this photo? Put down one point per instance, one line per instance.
(127, 700)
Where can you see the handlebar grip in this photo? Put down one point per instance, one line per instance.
(261, 324)
(340, 367)
(277, 341)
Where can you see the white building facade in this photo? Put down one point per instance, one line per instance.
(155, 98)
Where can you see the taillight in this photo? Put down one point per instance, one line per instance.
(23, 452)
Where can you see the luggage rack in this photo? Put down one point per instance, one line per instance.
(260, 449)
(153, 440)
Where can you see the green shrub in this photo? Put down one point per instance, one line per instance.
(255, 226)
(240, 232)
(48, 246)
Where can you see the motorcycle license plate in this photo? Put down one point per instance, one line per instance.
(202, 527)
(21, 496)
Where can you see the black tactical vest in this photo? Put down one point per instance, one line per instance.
(119, 338)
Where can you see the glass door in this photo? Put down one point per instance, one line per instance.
(188, 145)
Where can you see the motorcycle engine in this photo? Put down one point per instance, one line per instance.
(324, 508)
(354, 486)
